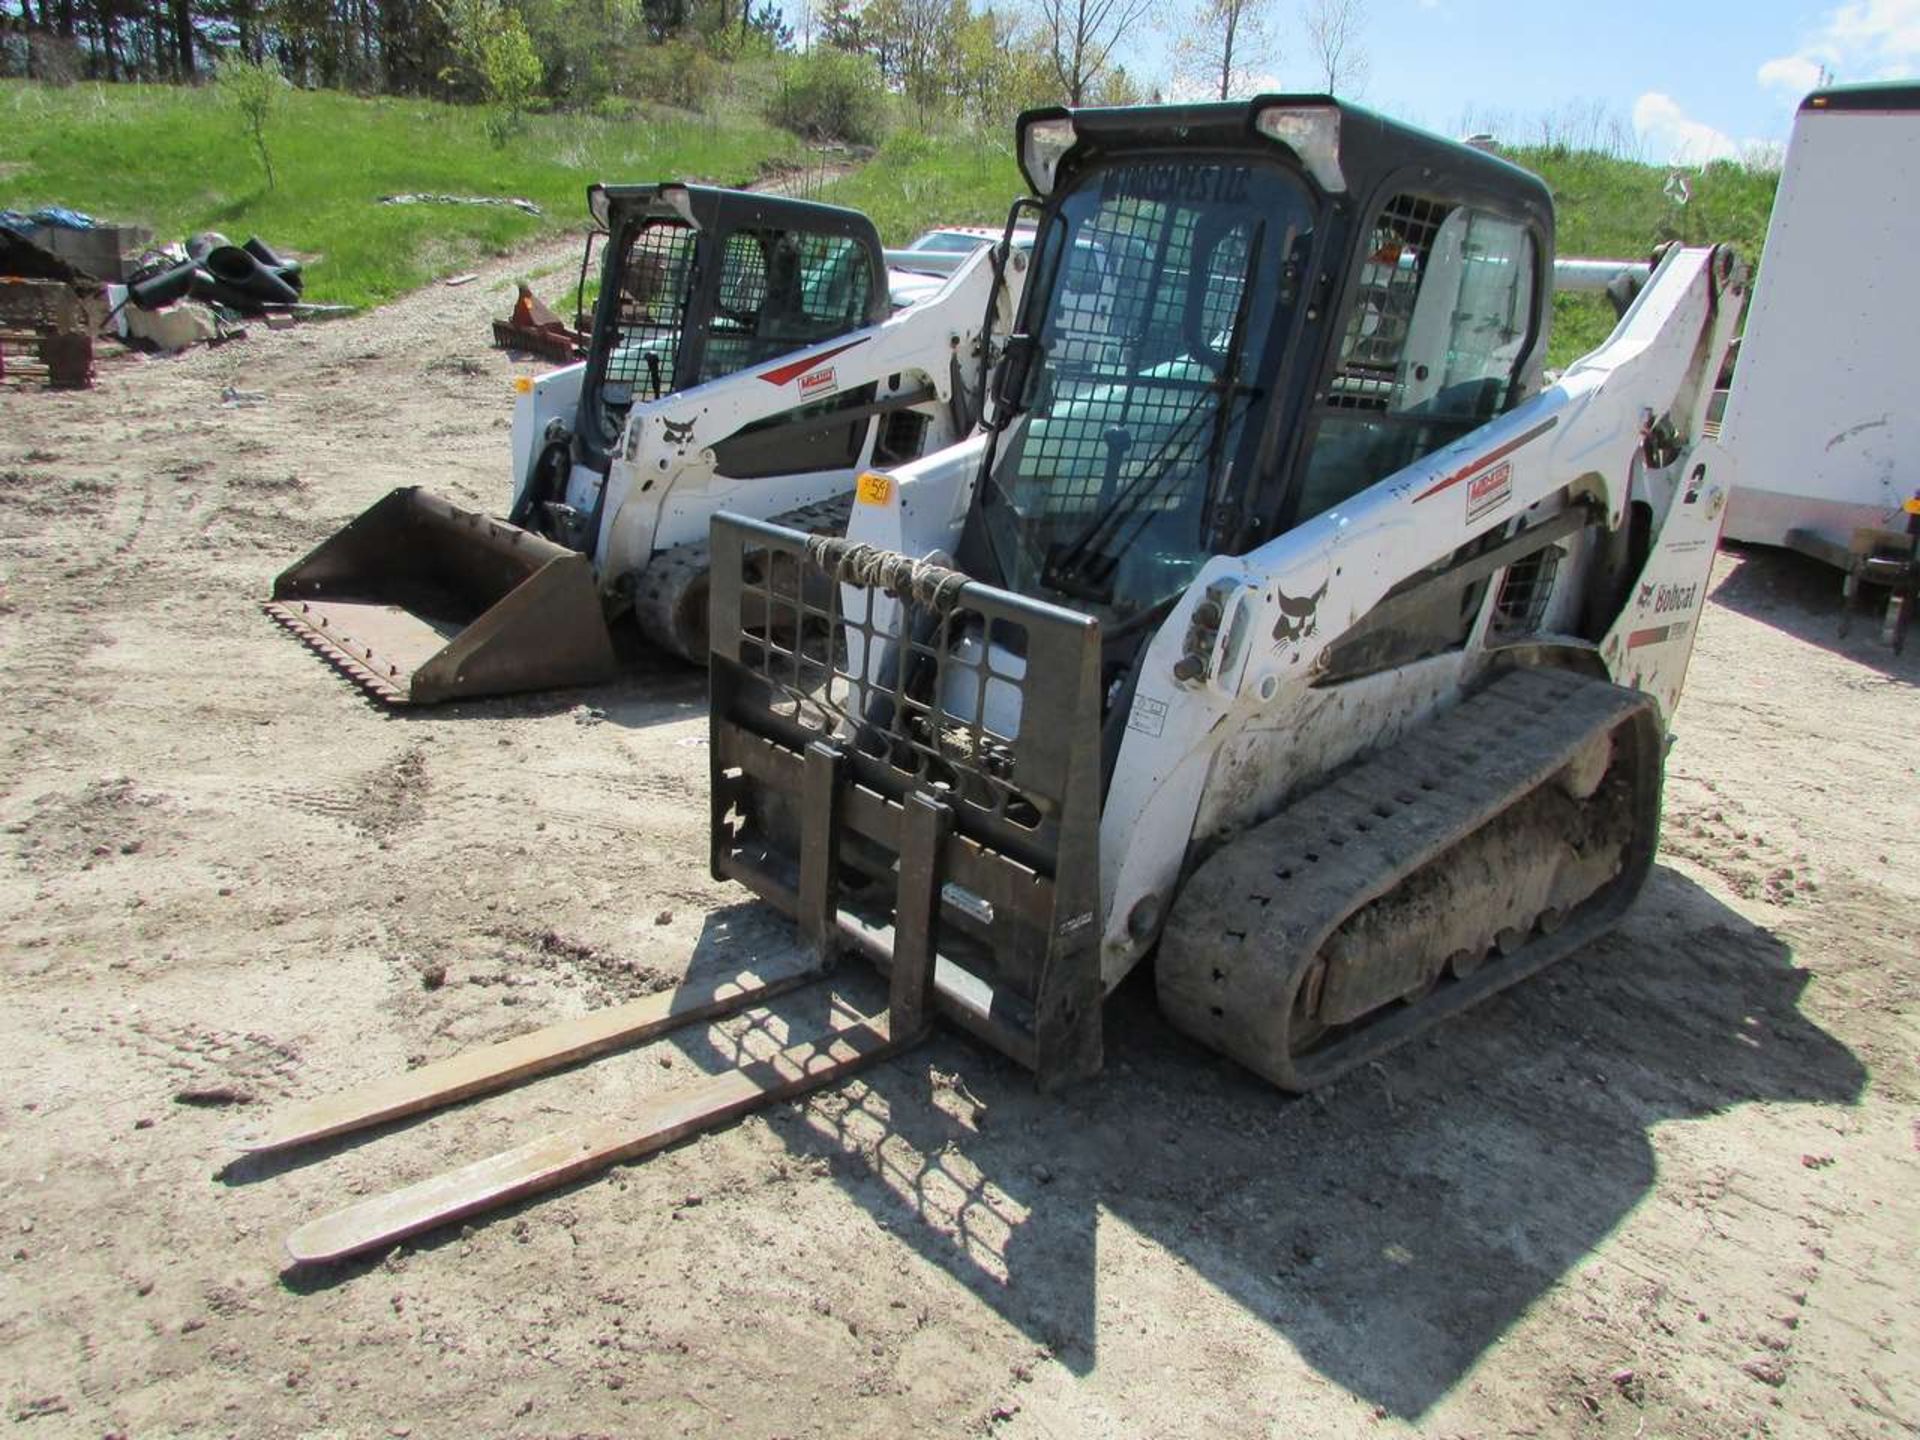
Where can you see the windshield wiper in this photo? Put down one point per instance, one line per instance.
(1229, 383)
(1072, 570)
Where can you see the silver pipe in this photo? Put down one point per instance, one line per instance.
(1575, 276)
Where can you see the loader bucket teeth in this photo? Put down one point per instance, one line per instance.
(420, 601)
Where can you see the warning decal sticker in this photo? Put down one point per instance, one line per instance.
(1488, 492)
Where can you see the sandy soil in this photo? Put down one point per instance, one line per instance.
(1668, 1189)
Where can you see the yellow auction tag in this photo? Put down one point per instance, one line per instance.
(1912, 507)
(874, 489)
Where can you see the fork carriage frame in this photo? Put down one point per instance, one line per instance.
(920, 833)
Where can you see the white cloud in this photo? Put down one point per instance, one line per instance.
(1860, 40)
(1673, 137)
(1793, 74)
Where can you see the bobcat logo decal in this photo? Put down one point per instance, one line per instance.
(1299, 614)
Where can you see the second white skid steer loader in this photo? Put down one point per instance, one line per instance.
(1281, 626)
(745, 356)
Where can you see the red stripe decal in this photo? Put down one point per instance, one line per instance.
(1476, 466)
(1655, 635)
(781, 374)
(1646, 637)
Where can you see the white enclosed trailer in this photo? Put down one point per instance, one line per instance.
(1823, 416)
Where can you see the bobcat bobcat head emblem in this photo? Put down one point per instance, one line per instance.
(1299, 614)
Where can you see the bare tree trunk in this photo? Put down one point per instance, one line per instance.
(1334, 32)
(103, 35)
(1226, 48)
(183, 38)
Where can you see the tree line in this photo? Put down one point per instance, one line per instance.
(983, 59)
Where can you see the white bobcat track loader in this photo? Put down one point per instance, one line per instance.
(1279, 625)
(1279, 622)
(744, 355)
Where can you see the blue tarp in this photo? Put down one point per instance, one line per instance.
(57, 216)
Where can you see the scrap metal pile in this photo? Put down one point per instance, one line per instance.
(49, 290)
(67, 278)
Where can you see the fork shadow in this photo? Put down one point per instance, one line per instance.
(1391, 1227)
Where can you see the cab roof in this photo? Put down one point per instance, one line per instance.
(708, 206)
(1372, 146)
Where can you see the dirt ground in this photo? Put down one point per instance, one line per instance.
(1668, 1189)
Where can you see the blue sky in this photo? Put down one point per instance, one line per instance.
(1681, 80)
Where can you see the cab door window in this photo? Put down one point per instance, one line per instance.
(643, 351)
(1440, 322)
(782, 290)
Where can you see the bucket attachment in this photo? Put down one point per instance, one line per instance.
(421, 601)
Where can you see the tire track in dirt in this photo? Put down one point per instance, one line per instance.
(1471, 1238)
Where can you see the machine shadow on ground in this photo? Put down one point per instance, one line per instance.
(1798, 595)
(1391, 1228)
(649, 688)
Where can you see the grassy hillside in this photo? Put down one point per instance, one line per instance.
(1606, 207)
(176, 160)
(1619, 209)
(916, 182)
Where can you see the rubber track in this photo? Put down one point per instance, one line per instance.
(1256, 913)
(664, 585)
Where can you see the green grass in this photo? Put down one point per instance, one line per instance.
(1605, 208)
(176, 161)
(1618, 209)
(916, 182)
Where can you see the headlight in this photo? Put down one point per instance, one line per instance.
(1312, 133)
(1042, 143)
(597, 205)
(680, 201)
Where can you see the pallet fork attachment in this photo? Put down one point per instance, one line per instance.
(907, 762)
(571, 1154)
(496, 1067)
(567, 1155)
(952, 843)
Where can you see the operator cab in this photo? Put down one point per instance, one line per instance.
(1240, 315)
(703, 282)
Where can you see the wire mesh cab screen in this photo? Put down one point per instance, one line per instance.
(1436, 330)
(1165, 285)
(773, 291)
(920, 686)
(650, 313)
(782, 290)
